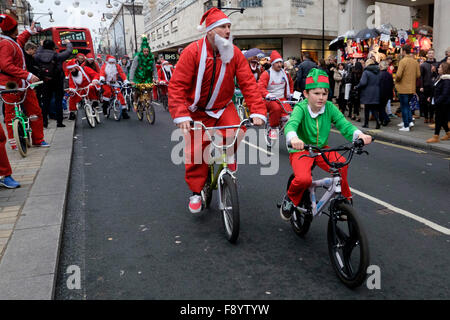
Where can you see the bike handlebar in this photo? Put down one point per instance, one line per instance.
(281, 103)
(71, 90)
(356, 146)
(245, 122)
(30, 85)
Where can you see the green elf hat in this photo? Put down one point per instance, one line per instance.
(317, 79)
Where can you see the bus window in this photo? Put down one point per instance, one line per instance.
(72, 35)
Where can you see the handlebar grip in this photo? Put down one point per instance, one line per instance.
(34, 84)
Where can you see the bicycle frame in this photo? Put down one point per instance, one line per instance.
(217, 177)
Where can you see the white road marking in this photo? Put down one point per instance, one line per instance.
(428, 223)
(258, 148)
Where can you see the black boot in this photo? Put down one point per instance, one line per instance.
(125, 114)
(105, 108)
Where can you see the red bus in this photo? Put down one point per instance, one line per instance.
(79, 37)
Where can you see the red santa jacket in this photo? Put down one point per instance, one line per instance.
(263, 83)
(12, 60)
(119, 73)
(84, 78)
(163, 74)
(183, 83)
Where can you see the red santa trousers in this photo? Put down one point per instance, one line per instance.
(276, 112)
(5, 167)
(107, 94)
(92, 95)
(302, 171)
(31, 107)
(196, 173)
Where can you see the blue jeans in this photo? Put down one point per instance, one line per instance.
(406, 110)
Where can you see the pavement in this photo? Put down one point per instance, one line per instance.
(32, 217)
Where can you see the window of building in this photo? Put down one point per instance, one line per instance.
(174, 25)
(265, 44)
(153, 36)
(166, 30)
(158, 33)
(250, 3)
(314, 47)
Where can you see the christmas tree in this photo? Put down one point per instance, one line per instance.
(144, 70)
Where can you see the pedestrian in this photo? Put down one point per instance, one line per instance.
(331, 66)
(99, 60)
(386, 91)
(369, 87)
(48, 59)
(303, 70)
(14, 75)
(29, 50)
(426, 87)
(441, 99)
(405, 83)
(340, 76)
(354, 105)
(125, 64)
(191, 98)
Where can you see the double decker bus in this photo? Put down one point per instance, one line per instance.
(79, 37)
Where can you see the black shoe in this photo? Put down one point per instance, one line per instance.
(60, 125)
(378, 126)
(72, 116)
(365, 126)
(287, 207)
(125, 114)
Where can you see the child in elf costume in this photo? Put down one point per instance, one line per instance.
(310, 123)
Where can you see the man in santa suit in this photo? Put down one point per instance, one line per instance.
(164, 75)
(109, 72)
(14, 75)
(201, 89)
(276, 83)
(79, 78)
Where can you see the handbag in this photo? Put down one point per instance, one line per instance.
(414, 103)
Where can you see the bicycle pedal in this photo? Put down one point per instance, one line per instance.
(278, 205)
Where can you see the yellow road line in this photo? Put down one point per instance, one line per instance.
(393, 145)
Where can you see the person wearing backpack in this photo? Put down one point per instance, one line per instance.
(50, 63)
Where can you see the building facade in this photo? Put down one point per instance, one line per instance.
(289, 26)
(19, 9)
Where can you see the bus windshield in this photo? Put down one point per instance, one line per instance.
(72, 35)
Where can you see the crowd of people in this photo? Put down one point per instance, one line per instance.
(63, 78)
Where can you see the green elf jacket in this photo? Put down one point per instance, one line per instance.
(315, 131)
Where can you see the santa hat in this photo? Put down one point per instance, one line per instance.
(317, 79)
(90, 56)
(110, 58)
(164, 62)
(99, 56)
(7, 23)
(81, 55)
(275, 57)
(213, 18)
(72, 64)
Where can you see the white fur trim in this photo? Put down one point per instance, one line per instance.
(257, 115)
(201, 28)
(218, 23)
(29, 76)
(276, 60)
(72, 66)
(181, 119)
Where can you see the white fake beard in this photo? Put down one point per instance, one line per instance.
(225, 47)
(111, 72)
(78, 78)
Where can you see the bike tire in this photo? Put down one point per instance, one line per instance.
(337, 237)
(89, 113)
(207, 191)
(165, 102)
(19, 136)
(269, 141)
(29, 143)
(117, 109)
(96, 111)
(230, 212)
(300, 222)
(150, 113)
(140, 111)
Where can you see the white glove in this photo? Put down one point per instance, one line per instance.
(271, 96)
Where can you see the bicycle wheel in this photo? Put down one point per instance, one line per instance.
(230, 211)
(150, 113)
(269, 141)
(19, 136)
(90, 117)
(28, 139)
(140, 111)
(347, 246)
(129, 102)
(207, 191)
(96, 111)
(117, 109)
(300, 221)
(165, 102)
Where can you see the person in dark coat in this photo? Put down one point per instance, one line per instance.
(29, 50)
(303, 70)
(386, 91)
(426, 87)
(55, 86)
(354, 103)
(441, 99)
(369, 87)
